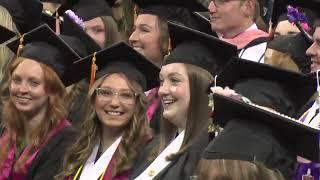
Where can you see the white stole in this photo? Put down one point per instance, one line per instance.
(160, 162)
(254, 53)
(92, 170)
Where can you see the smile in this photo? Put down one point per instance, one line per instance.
(21, 99)
(167, 102)
(137, 48)
(114, 113)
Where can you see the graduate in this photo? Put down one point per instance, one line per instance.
(34, 130)
(115, 127)
(256, 144)
(235, 22)
(272, 97)
(98, 21)
(184, 78)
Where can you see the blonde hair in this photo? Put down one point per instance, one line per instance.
(135, 134)
(6, 55)
(281, 60)
(228, 169)
(111, 30)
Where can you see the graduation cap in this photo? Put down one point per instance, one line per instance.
(52, 18)
(71, 28)
(172, 10)
(120, 57)
(43, 45)
(25, 14)
(253, 134)
(298, 87)
(54, 1)
(203, 22)
(194, 47)
(5, 34)
(111, 3)
(89, 9)
(296, 46)
(192, 5)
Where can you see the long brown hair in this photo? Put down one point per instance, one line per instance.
(135, 134)
(16, 123)
(222, 169)
(197, 117)
(111, 30)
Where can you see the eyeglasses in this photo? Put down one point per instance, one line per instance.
(222, 2)
(124, 96)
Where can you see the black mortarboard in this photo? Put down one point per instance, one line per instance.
(293, 135)
(89, 9)
(299, 87)
(203, 23)
(43, 45)
(54, 1)
(50, 18)
(111, 3)
(148, 5)
(76, 44)
(5, 34)
(25, 14)
(194, 47)
(172, 10)
(71, 28)
(296, 46)
(121, 57)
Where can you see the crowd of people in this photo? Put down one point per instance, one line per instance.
(159, 89)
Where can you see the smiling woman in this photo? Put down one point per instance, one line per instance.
(34, 131)
(115, 126)
(184, 79)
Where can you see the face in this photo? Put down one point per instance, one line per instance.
(146, 38)
(175, 93)
(314, 51)
(96, 30)
(228, 16)
(285, 28)
(27, 87)
(115, 103)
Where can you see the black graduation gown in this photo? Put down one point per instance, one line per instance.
(181, 169)
(49, 159)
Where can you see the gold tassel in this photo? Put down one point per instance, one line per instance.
(169, 46)
(169, 49)
(57, 23)
(94, 68)
(135, 13)
(20, 45)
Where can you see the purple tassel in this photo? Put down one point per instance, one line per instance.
(75, 18)
(295, 16)
(300, 20)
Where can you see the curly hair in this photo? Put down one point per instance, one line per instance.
(135, 134)
(15, 122)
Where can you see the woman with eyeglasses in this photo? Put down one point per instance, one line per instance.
(115, 126)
